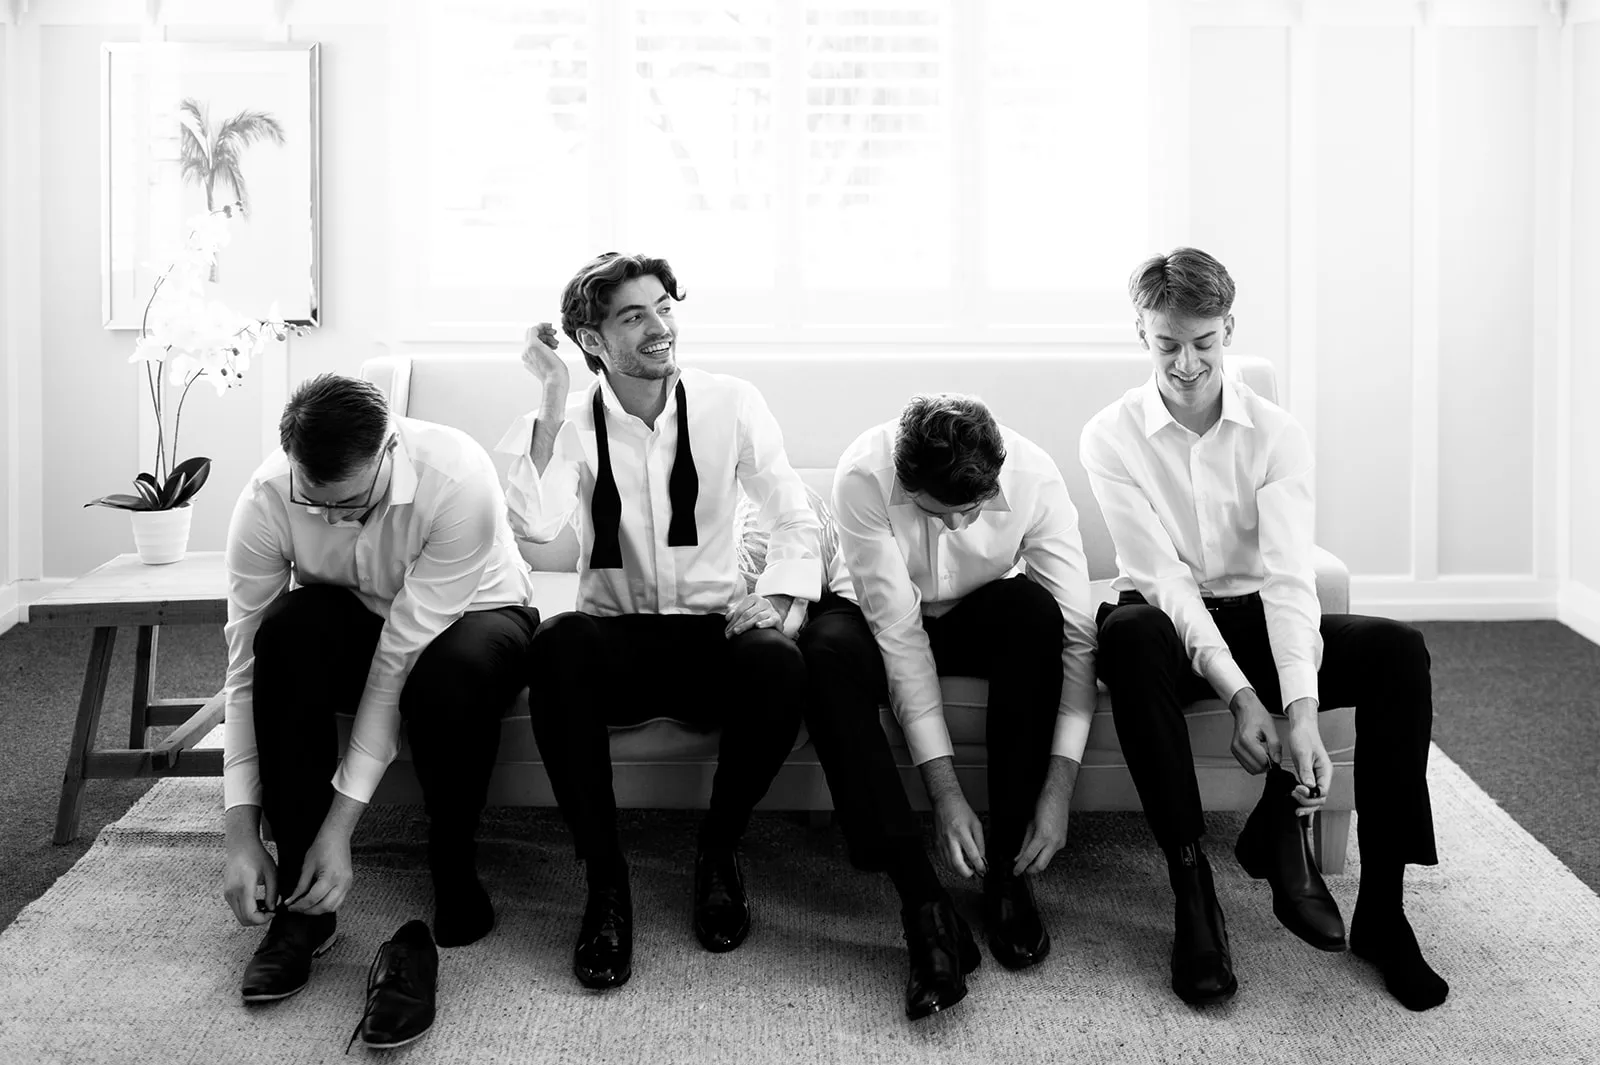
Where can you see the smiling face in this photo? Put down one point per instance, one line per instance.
(639, 335)
(1187, 353)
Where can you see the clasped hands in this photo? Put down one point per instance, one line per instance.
(1256, 746)
(762, 612)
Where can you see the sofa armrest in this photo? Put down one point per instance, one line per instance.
(392, 373)
(1333, 581)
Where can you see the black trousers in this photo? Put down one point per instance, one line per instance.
(1010, 632)
(1378, 665)
(595, 672)
(313, 652)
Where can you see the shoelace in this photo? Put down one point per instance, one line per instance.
(395, 968)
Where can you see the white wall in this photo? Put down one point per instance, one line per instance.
(8, 568)
(1373, 174)
(1581, 594)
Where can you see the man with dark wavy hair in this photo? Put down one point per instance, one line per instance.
(648, 461)
(935, 511)
(1206, 489)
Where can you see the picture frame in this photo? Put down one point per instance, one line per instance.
(184, 126)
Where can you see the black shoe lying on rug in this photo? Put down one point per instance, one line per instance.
(943, 952)
(400, 990)
(603, 957)
(721, 906)
(281, 965)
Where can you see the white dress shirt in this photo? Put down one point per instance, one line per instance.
(436, 546)
(735, 441)
(902, 564)
(1223, 514)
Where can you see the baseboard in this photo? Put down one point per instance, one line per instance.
(1579, 610)
(1455, 598)
(15, 597)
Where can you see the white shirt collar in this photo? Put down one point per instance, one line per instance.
(1156, 416)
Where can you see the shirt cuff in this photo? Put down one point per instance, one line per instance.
(927, 738)
(241, 786)
(797, 577)
(358, 776)
(1072, 734)
(1297, 681)
(1225, 676)
(519, 438)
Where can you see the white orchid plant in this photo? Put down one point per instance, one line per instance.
(185, 338)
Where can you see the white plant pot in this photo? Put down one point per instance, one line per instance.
(161, 536)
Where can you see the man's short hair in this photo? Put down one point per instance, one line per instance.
(583, 301)
(949, 446)
(332, 425)
(1185, 282)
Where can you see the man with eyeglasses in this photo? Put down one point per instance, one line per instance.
(935, 512)
(370, 569)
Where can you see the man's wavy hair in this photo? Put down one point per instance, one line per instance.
(1185, 282)
(949, 446)
(332, 425)
(584, 300)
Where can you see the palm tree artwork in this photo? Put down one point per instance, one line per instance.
(213, 154)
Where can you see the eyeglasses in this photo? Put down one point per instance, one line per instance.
(344, 505)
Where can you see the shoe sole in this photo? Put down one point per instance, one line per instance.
(327, 945)
(598, 985)
(937, 1007)
(398, 1043)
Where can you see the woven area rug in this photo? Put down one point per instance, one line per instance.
(132, 956)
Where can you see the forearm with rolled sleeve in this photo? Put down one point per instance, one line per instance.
(438, 589)
(258, 573)
(1286, 512)
(893, 608)
(1148, 556)
(794, 553)
(540, 505)
(1053, 551)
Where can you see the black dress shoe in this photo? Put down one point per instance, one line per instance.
(281, 965)
(1017, 937)
(400, 989)
(1274, 847)
(721, 907)
(1202, 966)
(604, 955)
(942, 954)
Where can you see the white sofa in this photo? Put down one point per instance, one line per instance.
(822, 402)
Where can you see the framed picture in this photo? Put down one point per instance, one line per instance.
(188, 128)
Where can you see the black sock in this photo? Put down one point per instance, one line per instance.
(607, 870)
(720, 832)
(1380, 933)
(911, 873)
(462, 912)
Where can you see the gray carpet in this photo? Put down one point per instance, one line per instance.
(1518, 708)
(132, 958)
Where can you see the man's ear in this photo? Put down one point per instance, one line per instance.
(1227, 331)
(1138, 327)
(589, 340)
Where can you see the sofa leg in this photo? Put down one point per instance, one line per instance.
(1332, 838)
(819, 818)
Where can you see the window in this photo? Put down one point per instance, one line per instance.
(920, 169)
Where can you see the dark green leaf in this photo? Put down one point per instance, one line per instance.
(120, 501)
(187, 478)
(148, 491)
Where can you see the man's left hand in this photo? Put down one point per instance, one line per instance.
(759, 612)
(1312, 766)
(1047, 832)
(325, 875)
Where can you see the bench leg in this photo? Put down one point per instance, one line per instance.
(1332, 838)
(144, 686)
(83, 732)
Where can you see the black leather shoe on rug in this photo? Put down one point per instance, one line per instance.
(943, 952)
(721, 907)
(1273, 846)
(400, 990)
(1202, 965)
(603, 957)
(1017, 937)
(281, 965)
